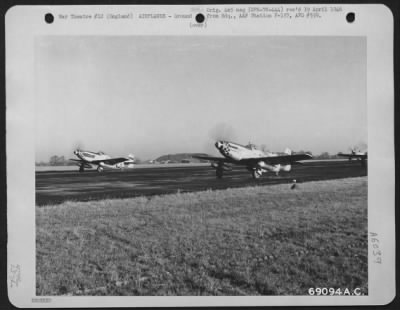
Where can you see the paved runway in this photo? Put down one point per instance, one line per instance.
(54, 187)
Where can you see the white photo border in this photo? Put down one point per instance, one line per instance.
(24, 23)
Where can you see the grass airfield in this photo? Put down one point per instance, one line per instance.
(261, 240)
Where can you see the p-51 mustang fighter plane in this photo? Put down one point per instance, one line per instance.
(362, 156)
(256, 161)
(101, 160)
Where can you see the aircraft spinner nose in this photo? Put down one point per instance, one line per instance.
(218, 144)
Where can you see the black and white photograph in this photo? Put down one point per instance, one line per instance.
(235, 182)
(201, 165)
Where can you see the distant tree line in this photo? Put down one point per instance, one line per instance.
(56, 161)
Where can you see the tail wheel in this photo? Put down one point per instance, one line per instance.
(256, 174)
(100, 169)
(219, 173)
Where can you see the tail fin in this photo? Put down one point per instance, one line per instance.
(131, 156)
(288, 151)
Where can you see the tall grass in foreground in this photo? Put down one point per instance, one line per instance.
(267, 240)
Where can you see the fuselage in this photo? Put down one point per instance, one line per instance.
(355, 154)
(238, 152)
(100, 159)
(91, 156)
(256, 161)
(358, 153)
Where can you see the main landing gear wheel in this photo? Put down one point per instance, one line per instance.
(100, 169)
(256, 174)
(81, 168)
(219, 173)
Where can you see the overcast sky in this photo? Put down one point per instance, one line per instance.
(151, 95)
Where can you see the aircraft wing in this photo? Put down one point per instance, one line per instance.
(345, 155)
(110, 161)
(81, 162)
(281, 159)
(272, 160)
(353, 155)
(211, 158)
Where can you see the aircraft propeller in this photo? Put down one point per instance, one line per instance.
(78, 147)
